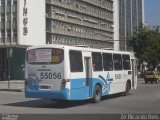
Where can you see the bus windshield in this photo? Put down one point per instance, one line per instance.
(45, 56)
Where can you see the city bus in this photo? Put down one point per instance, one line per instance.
(59, 72)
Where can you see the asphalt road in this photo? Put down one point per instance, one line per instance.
(146, 99)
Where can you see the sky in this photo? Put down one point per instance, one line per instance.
(152, 12)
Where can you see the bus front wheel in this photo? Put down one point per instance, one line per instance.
(97, 94)
(156, 80)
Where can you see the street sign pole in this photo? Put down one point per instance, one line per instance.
(9, 51)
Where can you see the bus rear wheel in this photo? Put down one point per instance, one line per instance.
(127, 89)
(97, 94)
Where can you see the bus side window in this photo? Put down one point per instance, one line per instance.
(97, 61)
(126, 62)
(117, 61)
(76, 64)
(107, 62)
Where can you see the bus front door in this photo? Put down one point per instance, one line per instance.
(88, 81)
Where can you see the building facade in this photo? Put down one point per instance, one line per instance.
(26, 23)
(80, 22)
(18, 30)
(130, 15)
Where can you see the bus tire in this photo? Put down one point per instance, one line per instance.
(156, 81)
(127, 89)
(97, 94)
(146, 82)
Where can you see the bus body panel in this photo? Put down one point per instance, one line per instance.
(77, 89)
(44, 76)
(111, 81)
(44, 80)
(48, 94)
(79, 85)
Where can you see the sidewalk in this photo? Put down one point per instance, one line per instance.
(13, 85)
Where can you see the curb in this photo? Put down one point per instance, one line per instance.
(12, 90)
(12, 81)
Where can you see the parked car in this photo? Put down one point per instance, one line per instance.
(151, 76)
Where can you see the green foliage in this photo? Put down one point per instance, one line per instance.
(146, 44)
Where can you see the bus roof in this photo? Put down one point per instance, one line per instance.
(87, 49)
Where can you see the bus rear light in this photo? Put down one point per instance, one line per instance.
(129, 72)
(25, 83)
(63, 83)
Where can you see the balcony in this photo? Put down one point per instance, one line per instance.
(8, 25)
(83, 9)
(14, 8)
(104, 5)
(75, 20)
(48, 1)
(14, 25)
(8, 9)
(1, 41)
(8, 40)
(2, 25)
(14, 39)
(2, 9)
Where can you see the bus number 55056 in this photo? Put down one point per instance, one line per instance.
(49, 75)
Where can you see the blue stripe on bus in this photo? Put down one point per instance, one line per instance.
(103, 79)
(79, 90)
(46, 94)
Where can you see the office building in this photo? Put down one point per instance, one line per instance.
(26, 23)
(129, 15)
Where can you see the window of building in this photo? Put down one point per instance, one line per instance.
(126, 62)
(76, 64)
(107, 62)
(2, 10)
(117, 61)
(8, 17)
(2, 34)
(14, 18)
(15, 34)
(2, 25)
(2, 17)
(14, 2)
(8, 33)
(8, 2)
(2, 2)
(97, 61)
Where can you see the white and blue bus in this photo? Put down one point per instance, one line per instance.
(59, 72)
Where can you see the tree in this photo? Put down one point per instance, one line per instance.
(146, 45)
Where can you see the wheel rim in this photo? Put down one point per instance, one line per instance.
(98, 93)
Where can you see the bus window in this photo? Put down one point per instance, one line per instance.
(97, 61)
(117, 61)
(126, 62)
(107, 62)
(45, 56)
(76, 63)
